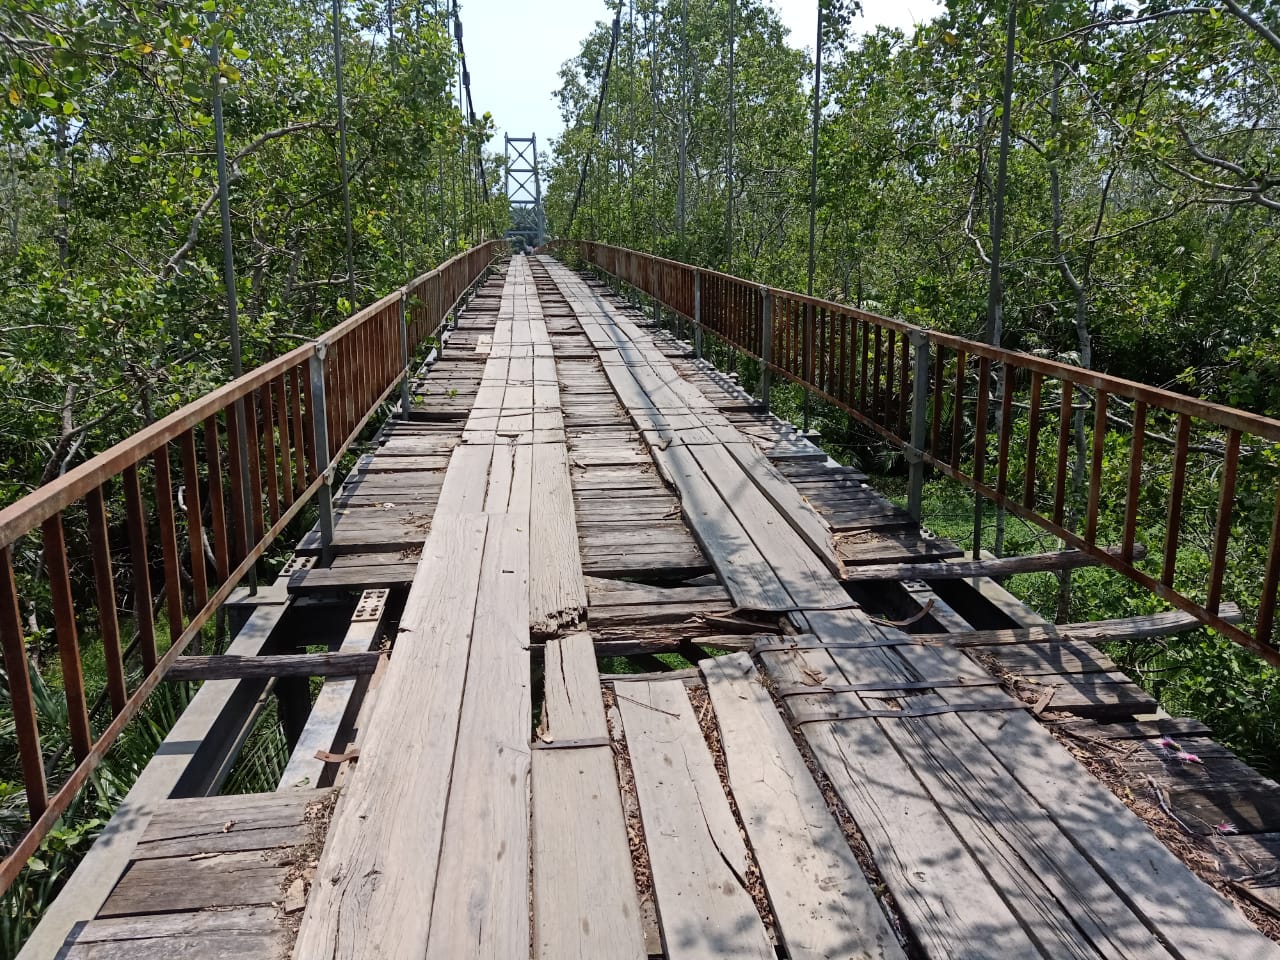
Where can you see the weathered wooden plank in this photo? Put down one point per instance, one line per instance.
(373, 890)
(466, 482)
(993, 567)
(232, 667)
(585, 901)
(481, 904)
(1137, 865)
(172, 884)
(696, 853)
(946, 899)
(794, 508)
(1126, 628)
(247, 933)
(557, 594)
(620, 593)
(584, 897)
(744, 571)
(820, 896)
(572, 708)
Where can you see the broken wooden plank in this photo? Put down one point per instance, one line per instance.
(696, 853)
(572, 708)
(1098, 631)
(585, 903)
(820, 896)
(231, 667)
(557, 594)
(993, 567)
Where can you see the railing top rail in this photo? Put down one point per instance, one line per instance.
(1259, 425)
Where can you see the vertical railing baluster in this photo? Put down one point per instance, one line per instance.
(1135, 479)
(1095, 466)
(863, 369)
(304, 460)
(939, 376)
(697, 314)
(64, 625)
(904, 385)
(105, 589)
(195, 521)
(237, 474)
(136, 519)
(957, 410)
(919, 423)
(286, 442)
(269, 447)
(980, 421)
(1222, 532)
(980, 451)
(253, 442)
(1006, 429)
(1033, 442)
(766, 346)
(877, 412)
(168, 542)
(1177, 482)
(405, 399)
(217, 505)
(22, 705)
(1064, 449)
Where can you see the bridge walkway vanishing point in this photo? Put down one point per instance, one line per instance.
(858, 762)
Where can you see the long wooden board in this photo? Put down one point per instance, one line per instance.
(481, 900)
(585, 903)
(823, 903)
(372, 895)
(697, 855)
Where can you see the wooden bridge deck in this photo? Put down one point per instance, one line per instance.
(823, 781)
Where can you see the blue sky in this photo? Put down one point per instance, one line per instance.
(515, 49)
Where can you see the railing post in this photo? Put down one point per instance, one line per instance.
(404, 356)
(919, 423)
(697, 314)
(766, 346)
(320, 425)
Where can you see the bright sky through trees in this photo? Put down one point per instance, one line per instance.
(515, 49)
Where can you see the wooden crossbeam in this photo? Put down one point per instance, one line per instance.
(1126, 628)
(991, 567)
(230, 667)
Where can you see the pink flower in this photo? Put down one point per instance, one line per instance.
(1225, 827)
(1169, 744)
(1187, 757)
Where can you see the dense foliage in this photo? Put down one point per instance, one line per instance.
(112, 303)
(1140, 230)
(111, 283)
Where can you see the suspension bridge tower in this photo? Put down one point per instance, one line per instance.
(524, 190)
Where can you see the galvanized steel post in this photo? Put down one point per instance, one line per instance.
(320, 427)
(919, 422)
(697, 314)
(404, 356)
(766, 346)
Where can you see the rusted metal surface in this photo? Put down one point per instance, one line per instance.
(1060, 486)
(246, 452)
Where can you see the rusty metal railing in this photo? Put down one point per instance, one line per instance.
(223, 475)
(959, 406)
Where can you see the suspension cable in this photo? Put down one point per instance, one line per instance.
(595, 125)
(478, 158)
